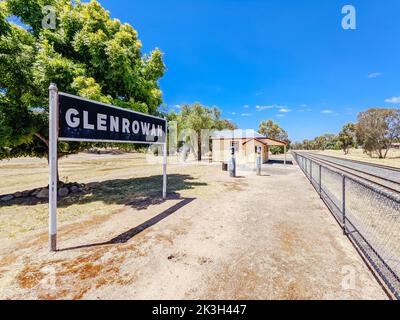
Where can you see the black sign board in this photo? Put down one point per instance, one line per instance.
(85, 120)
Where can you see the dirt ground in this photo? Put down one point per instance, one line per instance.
(216, 237)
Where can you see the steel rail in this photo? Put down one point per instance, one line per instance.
(340, 168)
(381, 166)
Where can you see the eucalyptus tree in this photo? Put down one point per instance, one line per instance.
(85, 52)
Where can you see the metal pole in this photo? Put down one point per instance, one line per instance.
(344, 203)
(284, 151)
(53, 137)
(232, 165)
(165, 168)
(258, 161)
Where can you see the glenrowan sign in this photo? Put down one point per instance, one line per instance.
(85, 120)
(73, 118)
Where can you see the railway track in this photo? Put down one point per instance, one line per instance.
(385, 177)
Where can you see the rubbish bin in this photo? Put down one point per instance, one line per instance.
(224, 166)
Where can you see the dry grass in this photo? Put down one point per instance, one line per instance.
(138, 183)
(393, 157)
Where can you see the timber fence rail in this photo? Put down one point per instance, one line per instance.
(369, 216)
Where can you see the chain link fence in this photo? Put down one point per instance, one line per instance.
(369, 216)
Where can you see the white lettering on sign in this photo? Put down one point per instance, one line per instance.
(145, 128)
(125, 125)
(114, 124)
(86, 124)
(72, 122)
(135, 127)
(101, 122)
(106, 122)
(153, 130)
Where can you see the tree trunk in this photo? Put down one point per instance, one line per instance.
(198, 148)
(386, 152)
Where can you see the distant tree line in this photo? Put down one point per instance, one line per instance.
(375, 132)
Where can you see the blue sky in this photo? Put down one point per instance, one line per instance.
(290, 58)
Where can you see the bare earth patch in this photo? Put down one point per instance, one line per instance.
(267, 237)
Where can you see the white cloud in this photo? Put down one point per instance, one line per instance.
(374, 75)
(303, 105)
(176, 106)
(282, 109)
(246, 106)
(260, 108)
(232, 113)
(245, 114)
(280, 115)
(327, 111)
(393, 100)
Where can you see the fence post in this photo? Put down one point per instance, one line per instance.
(311, 178)
(320, 181)
(344, 203)
(307, 174)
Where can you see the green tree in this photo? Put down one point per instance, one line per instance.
(347, 137)
(377, 129)
(272, 130)
(87, 54)
(226, 124)
(328, 141)
(197, 117)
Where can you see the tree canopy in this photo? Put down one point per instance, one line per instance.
(196, 118)
(347, 137)
(272, 130)
(377, 129)
(87, 54)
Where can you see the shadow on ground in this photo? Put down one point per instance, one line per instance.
(128, 235)
(138, 193)
(288, 162)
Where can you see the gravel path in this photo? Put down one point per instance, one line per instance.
(267, 237)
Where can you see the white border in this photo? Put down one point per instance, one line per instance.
(110, 106)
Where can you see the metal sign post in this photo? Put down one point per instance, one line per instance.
(258, 161)
(165, 169)
(73, 118)
(232, 164)
(53, 137)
